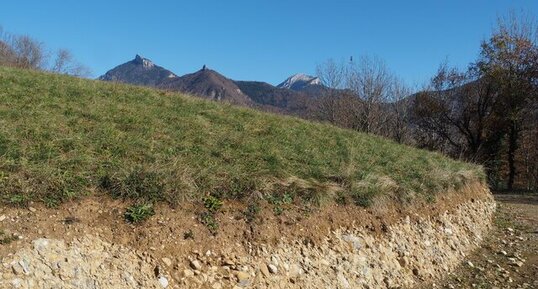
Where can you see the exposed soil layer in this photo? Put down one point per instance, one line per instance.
(272, 250)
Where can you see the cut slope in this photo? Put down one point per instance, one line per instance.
(62, 137)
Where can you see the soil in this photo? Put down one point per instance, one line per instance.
(164, 233)
(509, 256)
(177, 233)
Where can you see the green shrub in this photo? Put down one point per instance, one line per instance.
(252, 211)
(209, 220)
(212, 204)
(139, 212)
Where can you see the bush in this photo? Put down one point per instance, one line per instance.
(212, 204)
(209, 220)
(138, 213)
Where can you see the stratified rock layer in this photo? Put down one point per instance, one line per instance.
(415, 250)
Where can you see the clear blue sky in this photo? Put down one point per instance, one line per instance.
(262, 40)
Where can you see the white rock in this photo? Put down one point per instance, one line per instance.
(342, 280)
(195, 264)
(163, 281)
(272, 268)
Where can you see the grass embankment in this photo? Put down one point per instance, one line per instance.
(63, 137)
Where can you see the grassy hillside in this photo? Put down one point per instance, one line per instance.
(62, 137)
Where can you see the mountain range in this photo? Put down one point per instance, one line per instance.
(291, 96)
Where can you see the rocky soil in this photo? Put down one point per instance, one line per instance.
(86, 263)
(509, 256)
(412, 251)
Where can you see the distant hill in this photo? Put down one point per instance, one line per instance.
(209, 84)
(139, 71)
(280, 99)
(292, 96)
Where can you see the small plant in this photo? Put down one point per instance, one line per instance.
(208, 219)
(363, 199)
(212, 204)
(279, 201)
(188, 235)
(252, 212)
(51, 202)
(341, 198)
(139, 212)
(430, 198)
(18, 200)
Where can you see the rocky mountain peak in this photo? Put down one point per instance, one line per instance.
(140, 71)
(299, 81)
(139, 60)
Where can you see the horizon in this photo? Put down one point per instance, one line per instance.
(182, 37)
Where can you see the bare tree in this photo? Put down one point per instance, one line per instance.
(399, 111)
(331, 73)
(330, 106)
(29, 53)
(26, 52)
(370, 80)
(7, 55)
(363, 95)
(65, 63)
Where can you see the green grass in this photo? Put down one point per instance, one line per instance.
(63, 138)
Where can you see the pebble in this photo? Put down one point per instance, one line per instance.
(265, 270)
(243, 278)
(195, 264)
(272, 268)
(167, 261)
(163, 281)
(187, 273)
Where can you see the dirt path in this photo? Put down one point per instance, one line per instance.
(509, 257)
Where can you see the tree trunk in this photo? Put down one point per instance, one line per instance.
(512, 147)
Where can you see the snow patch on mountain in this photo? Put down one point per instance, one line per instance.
(299, 81)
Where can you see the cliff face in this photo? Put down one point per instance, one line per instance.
(409, 250)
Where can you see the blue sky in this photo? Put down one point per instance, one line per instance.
(262, 40)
